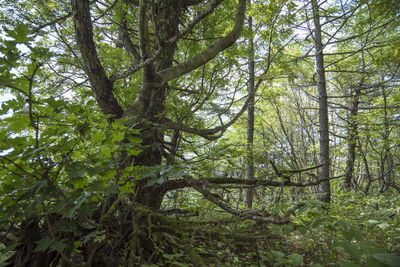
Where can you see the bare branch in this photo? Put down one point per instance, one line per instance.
(60, 19)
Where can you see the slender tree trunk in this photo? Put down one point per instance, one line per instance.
(325, 189)
(385, 157)
(249, 192)
(352, 139)
(366, 167)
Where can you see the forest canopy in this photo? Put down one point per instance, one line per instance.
(199, 133)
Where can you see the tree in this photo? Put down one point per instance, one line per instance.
(157, 70)
(160, 27)
(250, 120)
(323, 107)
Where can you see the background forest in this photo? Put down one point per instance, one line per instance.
(200, 133)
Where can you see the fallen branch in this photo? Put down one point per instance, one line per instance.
(185, 182)
(257, 215)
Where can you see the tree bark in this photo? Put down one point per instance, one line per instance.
(100, 83)
(385, 169)
(324, 189)
(249, 192)
(352, 139)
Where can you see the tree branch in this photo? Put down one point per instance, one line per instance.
(208, 134)
(256, 215)
(169, 42)
(98, 79)
(186, 182)
(185, 67)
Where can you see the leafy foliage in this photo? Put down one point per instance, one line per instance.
(73, 187)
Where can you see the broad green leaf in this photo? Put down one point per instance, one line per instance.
(387, 259)
(58, 246)
(43, 244)
(127, 188)
(117, 136)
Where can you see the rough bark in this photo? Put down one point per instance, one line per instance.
(324, 188)
(100, 83)
(166, 21)
(249, 192)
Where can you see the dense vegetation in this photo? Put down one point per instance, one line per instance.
(199, 133)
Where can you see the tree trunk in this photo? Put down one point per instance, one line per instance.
(352, 139)
(385, 170)
(249, 192)
(325, 189)
(166, 21)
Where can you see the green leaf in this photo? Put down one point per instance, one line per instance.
(288, 228)
(90, 236)
(118, 136)
(154, 180)
(316, 202)
(387, 259)
(371, 262)
(352, 234)
(350, 248)
(127, 188)
(346, 263)
(43, 244)
(302, 229)
(383, 226)
(19, 33)
(296, 259)
(370, 247)
(277, 254)
(49, 244)
(77, 244)
(98, 137)
(77, 204)
(58, 206)
(58, 246)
